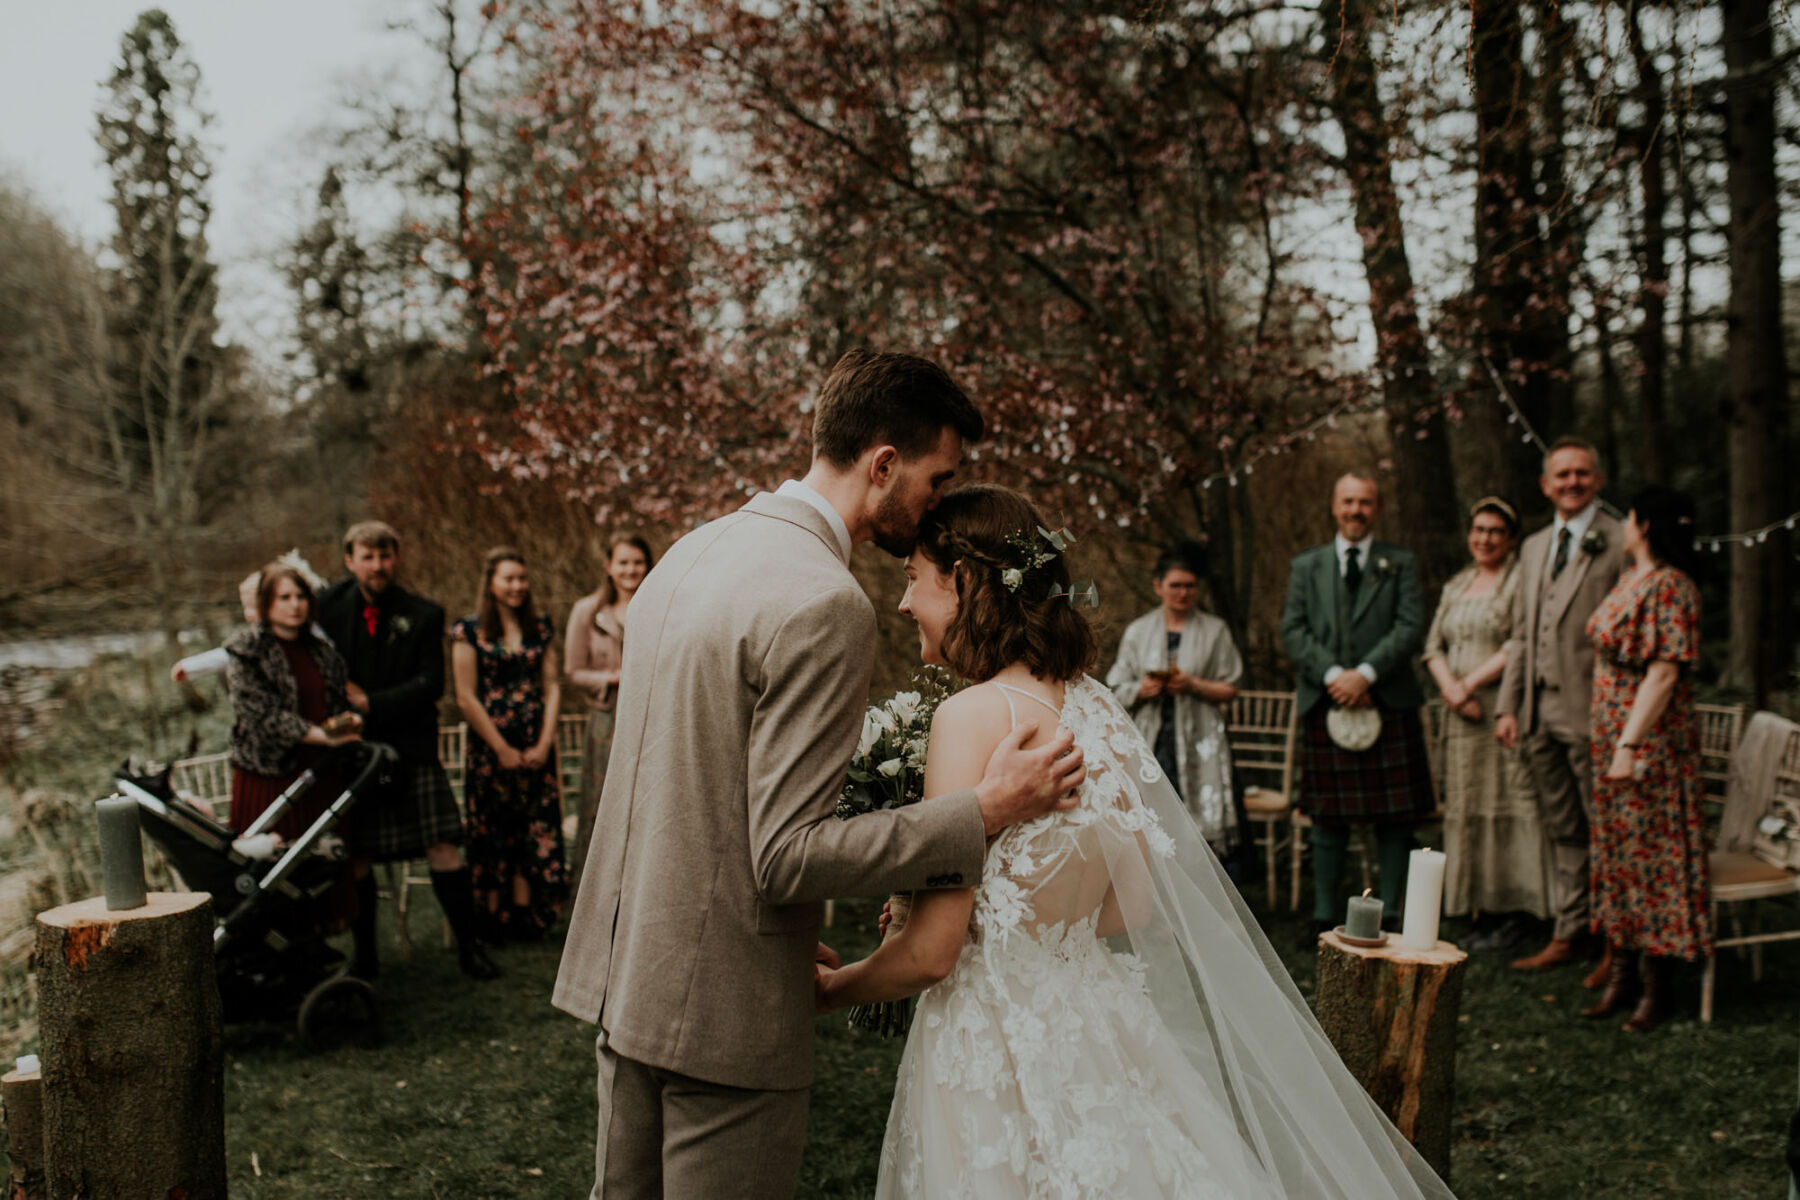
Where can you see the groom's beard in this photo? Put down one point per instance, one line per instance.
(894, 532)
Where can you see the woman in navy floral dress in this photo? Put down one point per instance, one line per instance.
(1648, 834)
(507, 686)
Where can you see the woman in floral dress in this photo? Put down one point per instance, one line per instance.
(1648, 834)
(507, 687)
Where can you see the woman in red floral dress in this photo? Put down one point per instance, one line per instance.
(1648, 834)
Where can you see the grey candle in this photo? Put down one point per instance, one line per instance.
(121, 852)
(1364, 918)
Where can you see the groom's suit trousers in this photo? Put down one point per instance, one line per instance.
(663, 1134)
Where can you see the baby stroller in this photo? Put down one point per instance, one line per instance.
(269, 945)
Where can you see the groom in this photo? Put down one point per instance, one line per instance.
(743, 686)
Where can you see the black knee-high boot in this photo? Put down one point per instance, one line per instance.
(456, 898)
(365, 963)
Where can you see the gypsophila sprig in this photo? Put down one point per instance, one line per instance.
(888, 771)
(1033, 552)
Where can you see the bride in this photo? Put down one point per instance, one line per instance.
(1101, 1017)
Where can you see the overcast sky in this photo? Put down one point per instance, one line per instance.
(271, 70)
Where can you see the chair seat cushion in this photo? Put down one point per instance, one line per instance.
(1738, 870)
(1264, 801)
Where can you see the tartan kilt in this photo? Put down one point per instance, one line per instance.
(399, 820)
(1390, 781)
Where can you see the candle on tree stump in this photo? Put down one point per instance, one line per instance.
(1424, 899)
(1364, 918)
(121, 853)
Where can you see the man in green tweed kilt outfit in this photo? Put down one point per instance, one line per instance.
(393, 643)
(1353, 625)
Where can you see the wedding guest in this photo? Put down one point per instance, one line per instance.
(1565, 571)
(287, 685)
(1352, 625)
(393, 644)
(509, 691)
(1651, 893)
(592, 651)
(211, 662)
(1494, 848)
(1176, 671)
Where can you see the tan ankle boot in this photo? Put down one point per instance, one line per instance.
(1656, 1004)
(1621, 985)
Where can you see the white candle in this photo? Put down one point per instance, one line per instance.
(1424, 899)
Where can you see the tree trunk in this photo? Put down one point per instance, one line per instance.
(1652, 337)
(1521, 294)
(24, 1094)
(1755, 371)
(133, 1061)
(1424, 500)
(1391, 1014)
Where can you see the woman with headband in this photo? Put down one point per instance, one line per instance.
(1494, 848)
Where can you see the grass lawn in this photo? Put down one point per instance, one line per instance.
(483, 1090)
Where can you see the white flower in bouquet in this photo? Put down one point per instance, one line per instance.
(892, 767)
(904, 708)
(871, 733)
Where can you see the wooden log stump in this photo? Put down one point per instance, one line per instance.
(1391, 1013)
(133, 1059)
(22, 1093)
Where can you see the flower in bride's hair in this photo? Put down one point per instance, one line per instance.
(1012, 577)
(892, 767)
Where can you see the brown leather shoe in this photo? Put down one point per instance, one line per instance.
(1621, 983)
(1559, 951)
(1597, 977)
(1654, 1008)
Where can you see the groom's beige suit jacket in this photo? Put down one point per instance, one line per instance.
(746, 670)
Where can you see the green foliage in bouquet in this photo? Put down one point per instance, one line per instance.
(888, 771)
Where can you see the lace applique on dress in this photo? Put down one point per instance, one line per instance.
(1039, 1067)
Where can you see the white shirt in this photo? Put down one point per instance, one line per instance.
(1343, 544)
(799, 491)
(1578, 525)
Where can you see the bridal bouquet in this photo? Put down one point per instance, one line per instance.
(888, 771)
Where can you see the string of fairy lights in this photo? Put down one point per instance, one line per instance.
(1529, 436)
(1713, 542)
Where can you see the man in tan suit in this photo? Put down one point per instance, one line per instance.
(745, 675)
(1566, 570)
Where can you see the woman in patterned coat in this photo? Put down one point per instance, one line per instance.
(1648, 835)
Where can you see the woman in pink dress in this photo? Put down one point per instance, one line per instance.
(1648, 834)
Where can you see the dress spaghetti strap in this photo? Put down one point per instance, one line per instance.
(1007, 690)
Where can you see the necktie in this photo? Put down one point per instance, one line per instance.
(1352, 569)
(371, 617)
(1562, 552)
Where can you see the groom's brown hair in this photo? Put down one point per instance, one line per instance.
(898, 400)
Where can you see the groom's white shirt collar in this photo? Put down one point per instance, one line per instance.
(799, 491)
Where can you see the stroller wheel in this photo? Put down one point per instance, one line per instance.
(340, 1011)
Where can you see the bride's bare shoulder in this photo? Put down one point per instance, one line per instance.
(976, 713)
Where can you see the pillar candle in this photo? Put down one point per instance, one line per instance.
(1424, 899)
(1364, 918)
(121, 853)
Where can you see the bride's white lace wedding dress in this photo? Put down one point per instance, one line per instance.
(1117, 1026)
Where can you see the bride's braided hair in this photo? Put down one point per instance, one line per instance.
(968, 534)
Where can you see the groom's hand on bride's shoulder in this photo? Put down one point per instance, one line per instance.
(1020, 784)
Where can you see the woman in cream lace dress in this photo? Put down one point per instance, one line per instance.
(1101, 1016)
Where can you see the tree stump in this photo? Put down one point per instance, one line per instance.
(23, 1095)
(1391, 1013)
(133, 1059)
